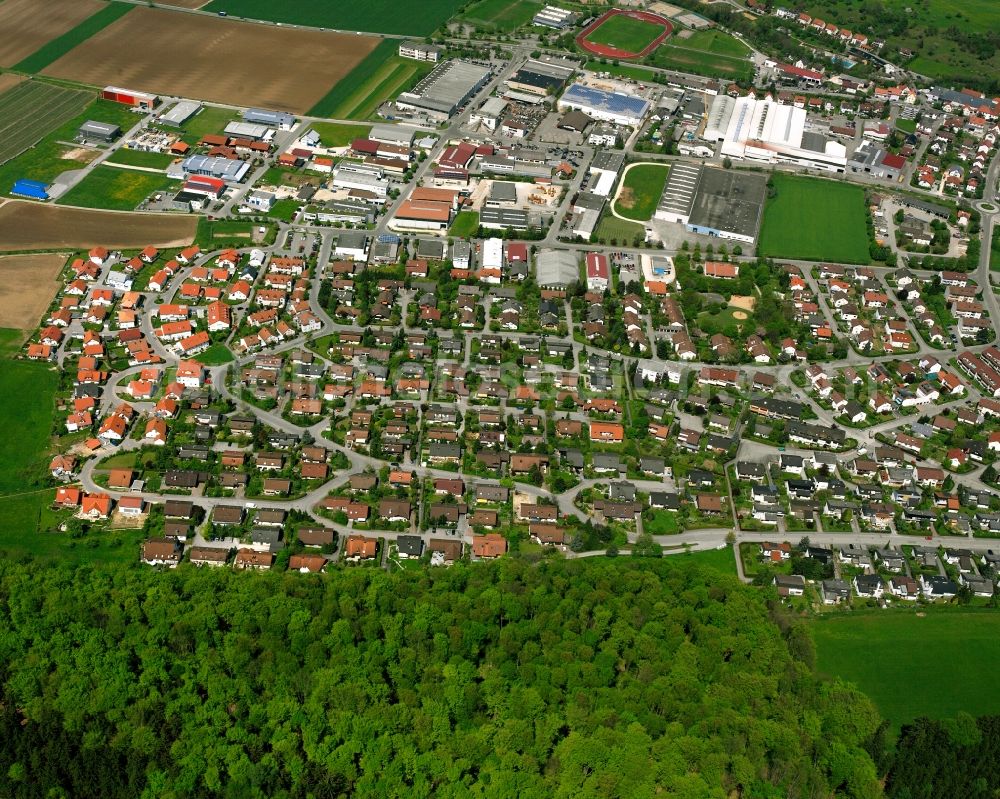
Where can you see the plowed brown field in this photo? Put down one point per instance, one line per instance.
(222, 60)
(25, 25)
(27, 285)
(32, 226)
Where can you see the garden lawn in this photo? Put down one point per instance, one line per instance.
(336, 134)
(114, 189)
(936, 666)
(465, 225)
(141, 158)
(815, 220)
(641, 190)
(611, 230)
(626, 33)
(216, 355)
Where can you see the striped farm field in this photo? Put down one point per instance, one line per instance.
(31, 110)
(379, 77)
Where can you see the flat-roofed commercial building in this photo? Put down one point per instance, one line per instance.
(716, 202)
(445, 90)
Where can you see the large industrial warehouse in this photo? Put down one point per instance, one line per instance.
(621, 109)
(716, 202)
(763, 130)
(450, 86)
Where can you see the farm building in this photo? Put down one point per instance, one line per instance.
(273, 119)
(180, 113)
(419, 51)
(98, 132)
(715, 202)
(622, 109)
(440, 94)
(32, 189)
(140, 100)
(763, 130)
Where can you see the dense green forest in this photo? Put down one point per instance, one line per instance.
(589, 678)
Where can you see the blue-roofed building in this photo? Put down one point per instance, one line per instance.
(621, 109)
(32, 189)
(273, 119)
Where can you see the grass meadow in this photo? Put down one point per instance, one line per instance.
(815, 220)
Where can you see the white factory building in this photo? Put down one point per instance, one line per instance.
(763, 130)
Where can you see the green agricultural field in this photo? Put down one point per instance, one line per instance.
(32, 109)
(465, 225)
(816, 220)
(935, 665)
(27, 392)
(626, 33)
(374, 16)
(46, 160)
(115, 189)
(379, 77)
(141, 158)
(58, 47)
(503, 15)
(641, 190)
(700, 62)
(334, 134)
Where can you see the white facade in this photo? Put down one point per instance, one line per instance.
(763, 130)
(493, 254)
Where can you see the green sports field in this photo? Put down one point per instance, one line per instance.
(114, 189)
(372, 16)
(503, 15)
(700, 62)
(641, 190)
(715, 41)
(626, 33)
(935, 665)
(815, 220)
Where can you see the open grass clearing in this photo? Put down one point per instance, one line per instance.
(722, 560)
(115, 188)
(626, 33)
(27, 394)
(610, 230)
(27, 285)
(910, 665)
(642, 185)
(817, 220)
(141, 158)
(216, 355)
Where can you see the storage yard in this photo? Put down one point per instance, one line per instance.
(25, 30)
(25, 226)
(214, 66)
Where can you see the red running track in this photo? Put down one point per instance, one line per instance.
(607, 51)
